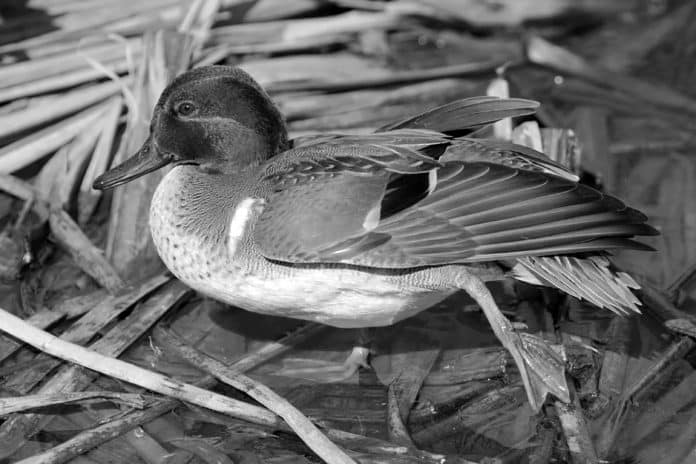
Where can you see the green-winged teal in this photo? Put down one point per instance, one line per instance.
(364, 231)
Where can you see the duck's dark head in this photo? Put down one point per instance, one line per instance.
(215, 117)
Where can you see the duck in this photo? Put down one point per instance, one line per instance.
(362, 231)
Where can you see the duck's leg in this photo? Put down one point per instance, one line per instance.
(328, 372)
(541, 367)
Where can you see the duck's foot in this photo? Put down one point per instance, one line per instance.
(541, 366)
(327, 371)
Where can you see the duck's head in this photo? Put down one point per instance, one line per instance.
(216, 117)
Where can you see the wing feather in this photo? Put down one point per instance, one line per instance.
(466, 115)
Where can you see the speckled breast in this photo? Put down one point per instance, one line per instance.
(189, 243)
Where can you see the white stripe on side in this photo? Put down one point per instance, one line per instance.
(240, 222)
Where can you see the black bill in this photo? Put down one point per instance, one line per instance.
(147, 159)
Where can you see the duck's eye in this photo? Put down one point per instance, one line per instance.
(185, 108)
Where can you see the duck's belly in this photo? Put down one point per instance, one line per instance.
(338, 297)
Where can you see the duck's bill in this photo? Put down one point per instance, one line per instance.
(147, 159)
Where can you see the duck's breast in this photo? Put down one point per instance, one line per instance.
(188, 223)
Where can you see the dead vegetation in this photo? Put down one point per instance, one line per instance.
(110, 360)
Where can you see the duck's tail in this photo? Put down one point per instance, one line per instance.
(591, 278)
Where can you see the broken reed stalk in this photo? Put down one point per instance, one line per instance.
(67, 61)
(69, 235)
(682, 449)
(315, 106)
(42, 320)
(24, 190)
(546, 434)
(615, 421)
(127, 372)
(25, 151)
(674, 319)
(88, 439)
(413, 362)
(94, 437)
(221, 52)
(615, 363)
(491, 404)
(16, 428)
(133, 18)
(80, 305)
(67, 103)
(560, 59)
(292, 32)
(251, 360)
(681, 283)
(49, 84)
(395, 78)
(373, 448)
(298, 422)
(665, 408)
(87, 197)
(445, 399)
(68, 177)
(88, 257)
(203, 450)
(576, 431)
(10, 405)
(396, 427)
(475, 364)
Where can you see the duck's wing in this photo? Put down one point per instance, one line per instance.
(390, 204)
(462, 118)
(506, 154)
(322, 194)
(466, 115)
